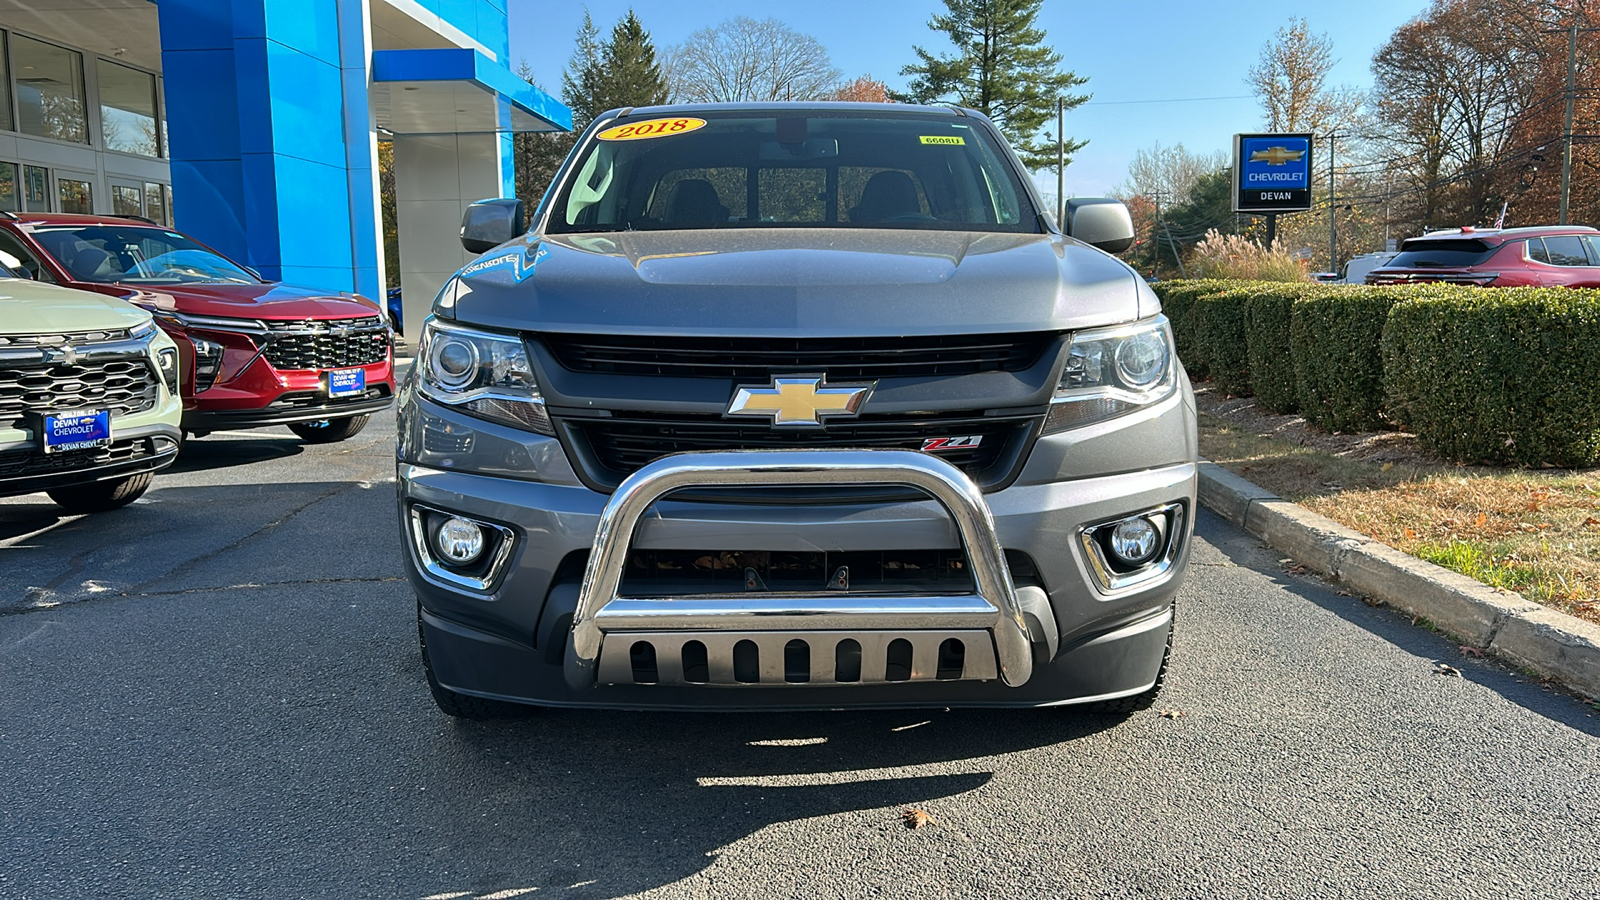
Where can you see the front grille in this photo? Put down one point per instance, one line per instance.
(23, 463)
(124, 386)
(840, 358)
(327, 343)
(623, 444)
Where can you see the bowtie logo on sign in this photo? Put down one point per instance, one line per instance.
(1277, 156)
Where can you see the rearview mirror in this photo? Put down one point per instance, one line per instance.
(489, 223)
(1105, 224)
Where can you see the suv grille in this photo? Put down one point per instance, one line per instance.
(23, 463)
(327, 344)
(124, 386)
(623, 445)
(840, 358)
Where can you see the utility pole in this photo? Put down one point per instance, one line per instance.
(1572, 92)
(1566, 133)
(1333, 232)
(1161, 217)
(1061, 158)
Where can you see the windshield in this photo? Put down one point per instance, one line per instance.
(1440, 254)
(721, 170)
(128, 254)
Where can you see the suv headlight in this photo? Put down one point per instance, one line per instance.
(1113, 371)
(482, 373)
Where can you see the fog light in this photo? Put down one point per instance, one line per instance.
(1135, 541)
(459, 541)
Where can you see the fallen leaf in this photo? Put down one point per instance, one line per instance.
(1469, 650)
(1386, 467)
(1375, 602)
(1172, 714)
(1483, 519)
(1410, 535)
(1296, 570)
(915, 818)
(1591, 521)
(1446, 669)
(1344, 593)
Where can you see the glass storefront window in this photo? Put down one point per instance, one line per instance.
(128, 109)
(126, 200)
(9, 199)
(75, 195)
(5, 93)
(158, 206)
(35, 189)
(49, 85)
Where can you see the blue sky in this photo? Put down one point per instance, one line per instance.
(1157, 50)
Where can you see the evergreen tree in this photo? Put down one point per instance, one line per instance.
(601, 75)
(1002, 68)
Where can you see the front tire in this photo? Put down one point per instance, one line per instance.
(102, 496)
(329, 431)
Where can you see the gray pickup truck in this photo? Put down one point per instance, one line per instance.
(795, 406)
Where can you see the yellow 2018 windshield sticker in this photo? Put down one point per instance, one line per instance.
(949, 139)
(651, 128)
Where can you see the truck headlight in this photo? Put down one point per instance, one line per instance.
(482, 373)
(1113, 371)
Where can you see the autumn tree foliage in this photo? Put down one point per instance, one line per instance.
(1468, 101)
(1003, 67)
(864, 89)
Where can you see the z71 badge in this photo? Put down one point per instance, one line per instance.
(952, 443)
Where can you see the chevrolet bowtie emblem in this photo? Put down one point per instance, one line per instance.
(1277, 156)
(799, 400)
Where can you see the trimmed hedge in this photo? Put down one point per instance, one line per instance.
(1267, 312)
(1217, 322)
(1335, 339)
(1503, 375)
(1177, 301)
(1499, 375)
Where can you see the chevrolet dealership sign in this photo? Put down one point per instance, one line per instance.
(1271, 172)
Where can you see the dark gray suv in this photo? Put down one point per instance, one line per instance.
(795, 405)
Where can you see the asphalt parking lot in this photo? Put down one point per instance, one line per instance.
(217, 693)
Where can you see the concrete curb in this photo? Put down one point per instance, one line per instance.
(1553, 644)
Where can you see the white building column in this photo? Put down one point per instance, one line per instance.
(436, 177)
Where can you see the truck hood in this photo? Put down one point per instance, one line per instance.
(253, 301)
(28, 307)
(796, 283)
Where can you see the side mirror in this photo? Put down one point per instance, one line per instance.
(489, 223)
(1106, 224)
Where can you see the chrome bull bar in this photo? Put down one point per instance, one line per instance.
(992, 609)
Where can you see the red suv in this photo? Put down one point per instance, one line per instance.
(253, 353)
(1557, 255)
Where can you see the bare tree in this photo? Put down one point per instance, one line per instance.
(1291, 80)
(744, 60)
(1169, 172)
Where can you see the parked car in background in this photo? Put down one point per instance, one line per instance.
(1355, 271)
(396, 311)
(89, 405)
(253, 353)
(1552, 255)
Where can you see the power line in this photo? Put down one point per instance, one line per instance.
(1168, 100)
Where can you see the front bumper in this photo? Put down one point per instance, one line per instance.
(538, 632)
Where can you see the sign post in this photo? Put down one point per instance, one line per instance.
(1271, 175)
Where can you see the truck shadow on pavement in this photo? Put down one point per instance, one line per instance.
(216, 452)
(625, 802)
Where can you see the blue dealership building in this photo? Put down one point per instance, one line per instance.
(254, 125)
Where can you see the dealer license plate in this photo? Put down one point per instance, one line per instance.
(347, 383)
(82, 429)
